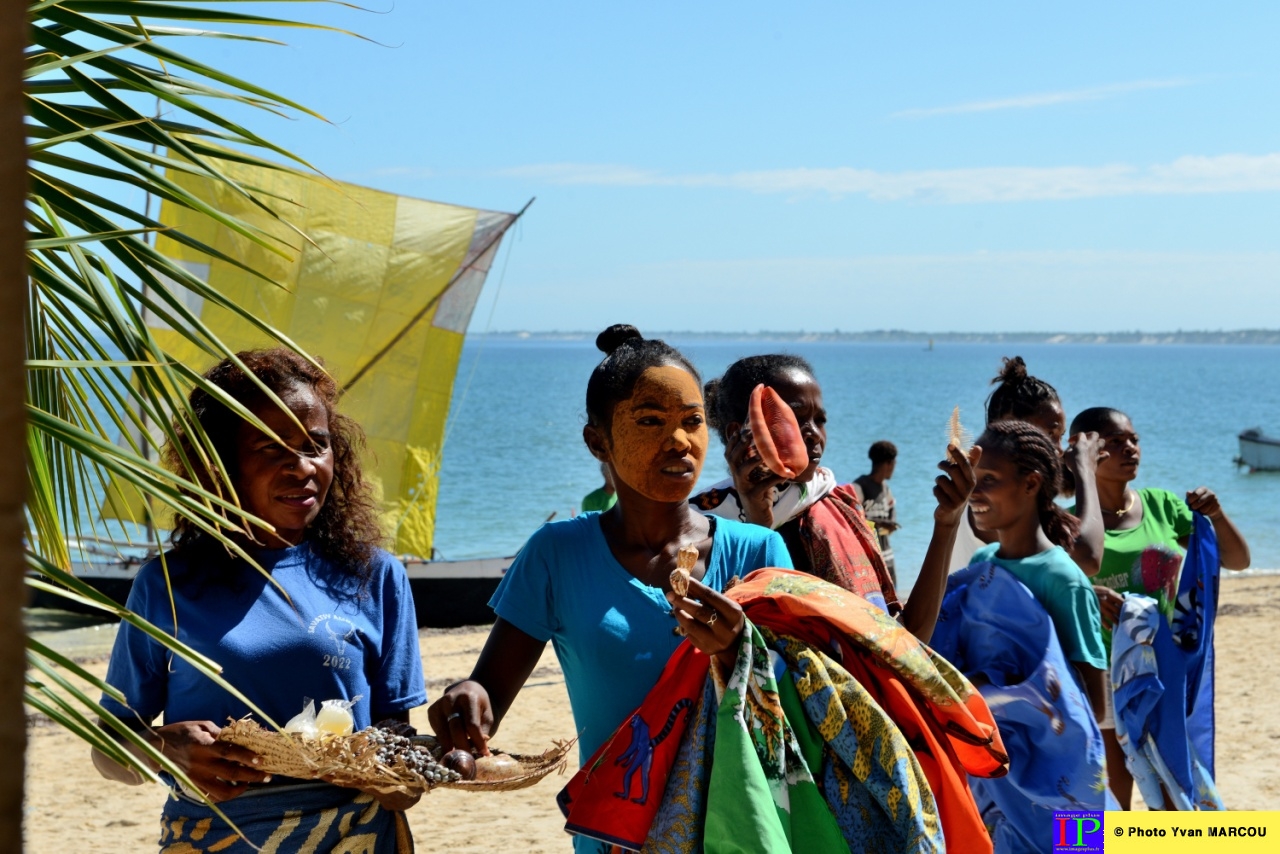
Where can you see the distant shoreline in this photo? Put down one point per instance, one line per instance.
(901, 336)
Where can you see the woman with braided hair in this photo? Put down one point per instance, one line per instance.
(1018, 476)
(1018, 396)
(1020, 622)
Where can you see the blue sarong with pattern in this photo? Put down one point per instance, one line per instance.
(992, 628)
(1162, 674)
(307, 818)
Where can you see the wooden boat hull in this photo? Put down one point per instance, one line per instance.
(446, 593)
(1258, 451)
(451, 593)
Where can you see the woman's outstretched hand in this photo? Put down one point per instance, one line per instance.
(1109, 604)
(1233, 551)
(712, 621)
(1202, 499)
(219, 768)
(757, 486)
(953, 488)
(463, 718)
(1084, 452)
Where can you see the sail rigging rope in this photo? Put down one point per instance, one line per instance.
(502, 277)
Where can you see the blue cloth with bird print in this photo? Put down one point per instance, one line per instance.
(996, 633)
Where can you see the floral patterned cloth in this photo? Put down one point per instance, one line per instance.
(836, 730)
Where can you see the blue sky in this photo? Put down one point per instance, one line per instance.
(746, 166)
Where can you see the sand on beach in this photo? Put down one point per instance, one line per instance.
(70, 808)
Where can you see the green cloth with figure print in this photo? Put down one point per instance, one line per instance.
(762, 797)
(1147, 559)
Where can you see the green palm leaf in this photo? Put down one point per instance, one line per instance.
(102, 396)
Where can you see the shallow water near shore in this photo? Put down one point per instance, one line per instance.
(514, 454)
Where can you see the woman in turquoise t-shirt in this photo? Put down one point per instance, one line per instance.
(1018, 477)
(1146, 531)
(598, 586)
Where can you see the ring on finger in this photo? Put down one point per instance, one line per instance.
(455, 716)
(715, 615)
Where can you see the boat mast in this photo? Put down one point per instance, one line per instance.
(431, 303)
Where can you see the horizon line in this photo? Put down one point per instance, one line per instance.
(808, 333)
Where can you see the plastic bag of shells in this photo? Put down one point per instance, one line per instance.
(391, 757)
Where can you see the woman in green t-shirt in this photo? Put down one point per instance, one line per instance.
(1146, 533)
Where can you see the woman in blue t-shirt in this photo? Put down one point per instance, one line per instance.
(334, 620)
(598, 586)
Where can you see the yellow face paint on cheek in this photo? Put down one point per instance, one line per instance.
(659, 435)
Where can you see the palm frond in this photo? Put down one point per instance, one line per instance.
(103, 397)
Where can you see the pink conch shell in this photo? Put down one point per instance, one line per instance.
(776, 433)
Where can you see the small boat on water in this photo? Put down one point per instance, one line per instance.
(384, 293)
(1259, 451)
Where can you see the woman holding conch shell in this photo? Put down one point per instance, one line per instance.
(821, 521)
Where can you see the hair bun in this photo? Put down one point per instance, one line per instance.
(1012, 371)
(617, 335)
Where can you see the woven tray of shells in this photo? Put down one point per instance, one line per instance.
(384, 760)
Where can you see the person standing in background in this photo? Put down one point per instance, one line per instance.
(877, 499)
(604, 497)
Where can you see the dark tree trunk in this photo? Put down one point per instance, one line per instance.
(13, 476)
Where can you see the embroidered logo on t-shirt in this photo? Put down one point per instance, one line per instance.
(338, 632)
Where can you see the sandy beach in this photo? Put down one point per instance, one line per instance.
(70, 808)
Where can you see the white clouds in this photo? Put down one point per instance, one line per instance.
(599, 175)
(1044, 99)
(1226, 173)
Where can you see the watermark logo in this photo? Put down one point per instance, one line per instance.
(1078, 831)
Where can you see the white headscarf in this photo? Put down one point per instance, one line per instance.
(721, 499)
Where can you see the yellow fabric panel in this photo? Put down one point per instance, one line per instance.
(373, 262)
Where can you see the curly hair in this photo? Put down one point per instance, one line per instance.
(1030, 450)
(346, 531)
(1018, 394)
(727, 396)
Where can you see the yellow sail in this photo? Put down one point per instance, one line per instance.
(383, 294)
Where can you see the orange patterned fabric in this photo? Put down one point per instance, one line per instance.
(943, 717)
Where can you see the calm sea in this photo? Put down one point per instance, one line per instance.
(514, 455)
